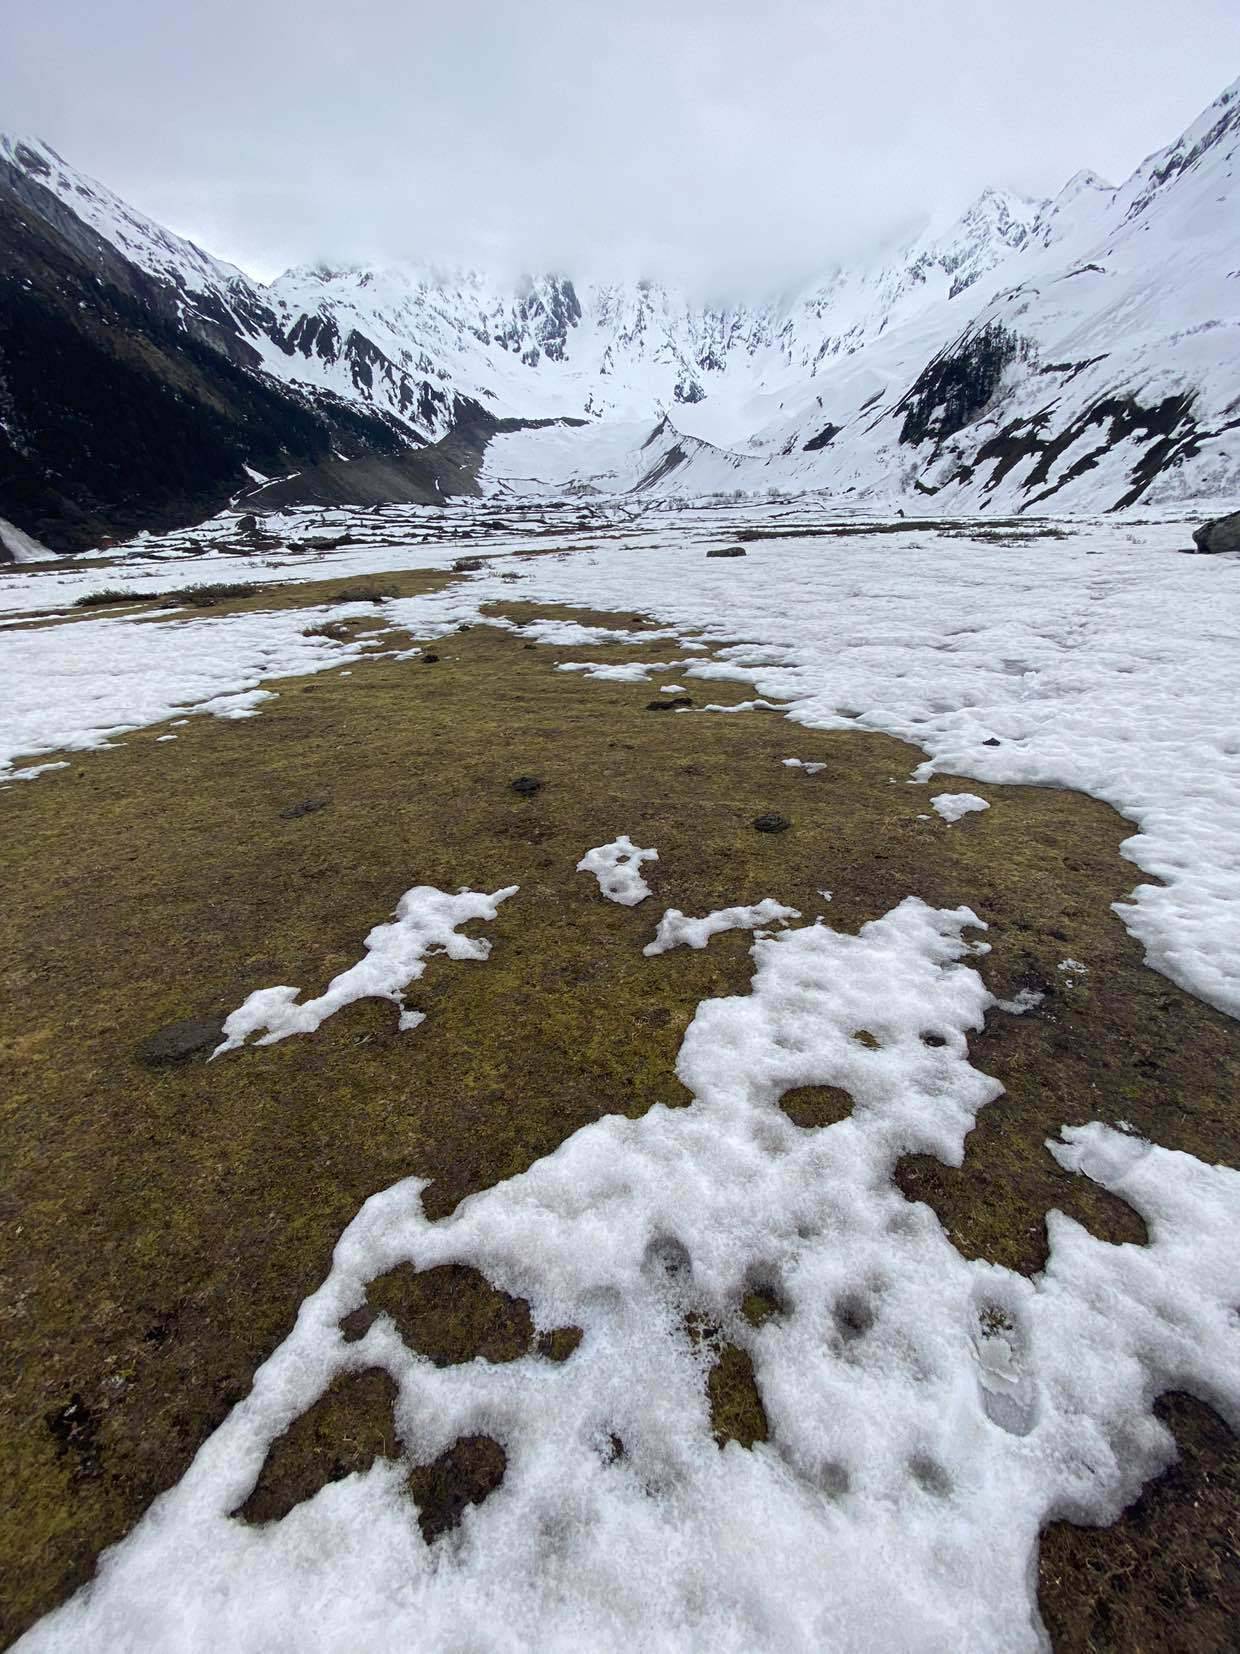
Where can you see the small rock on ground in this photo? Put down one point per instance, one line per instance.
(179, 1041)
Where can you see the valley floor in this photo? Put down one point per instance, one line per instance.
(829, 1273)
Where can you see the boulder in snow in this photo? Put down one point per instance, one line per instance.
(1219, 534)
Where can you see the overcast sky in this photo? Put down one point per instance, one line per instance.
(727, 142)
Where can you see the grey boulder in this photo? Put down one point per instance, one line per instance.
(1219, 534)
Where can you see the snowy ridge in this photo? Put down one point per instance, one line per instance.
(1082, 350)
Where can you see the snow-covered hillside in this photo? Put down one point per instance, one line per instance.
(1082, 351)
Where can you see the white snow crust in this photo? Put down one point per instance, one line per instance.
(425, 923)
(676, 930)
(617, 867)
(951, 806)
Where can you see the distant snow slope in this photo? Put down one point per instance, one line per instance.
(1083, 351)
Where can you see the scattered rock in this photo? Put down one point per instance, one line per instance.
(1219, 534)
(526, 785)
(771, 823)
(429, 660)
(669, 703)
(468, 565)
(307, 807)
(727, 551)
(181, 1040)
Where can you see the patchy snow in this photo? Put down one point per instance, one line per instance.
(617, 867)
(922, 1406)
(425, 924)
(951, 806)
(677, 930)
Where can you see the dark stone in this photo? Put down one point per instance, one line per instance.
(306, 808)
(357, 1323)
(1219, 534)
(468, 565)
(824, 439)
(668, 703)
(429, 660)
(992, 741)
(727, 551)
(247, 524)
(771, 823)
(526, 785)
(181, 1040)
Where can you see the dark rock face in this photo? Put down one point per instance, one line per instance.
(128, 401)
(953, 389)
(1220, 534)
(824, 439)
(727, 551)
(1167, 429)
(122, 409)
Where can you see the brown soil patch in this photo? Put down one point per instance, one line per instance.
(348, 1428)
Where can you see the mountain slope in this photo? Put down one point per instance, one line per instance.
(1076, 353)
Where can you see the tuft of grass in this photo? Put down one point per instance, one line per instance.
(112, 594)
(364, 594)
(206, 594)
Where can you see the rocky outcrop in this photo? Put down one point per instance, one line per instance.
(957, 386)
(1220, 534)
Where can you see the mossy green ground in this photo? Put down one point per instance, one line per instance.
(163, 1224)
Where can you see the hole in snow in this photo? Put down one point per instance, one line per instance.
(816, 1105)
(666, 1256)
(853, 1316)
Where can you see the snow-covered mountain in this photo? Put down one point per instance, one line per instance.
(1082, 350)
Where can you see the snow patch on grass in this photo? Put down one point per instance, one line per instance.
(677, 930)
(951, 806)
(425, 923)
(617, 867)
